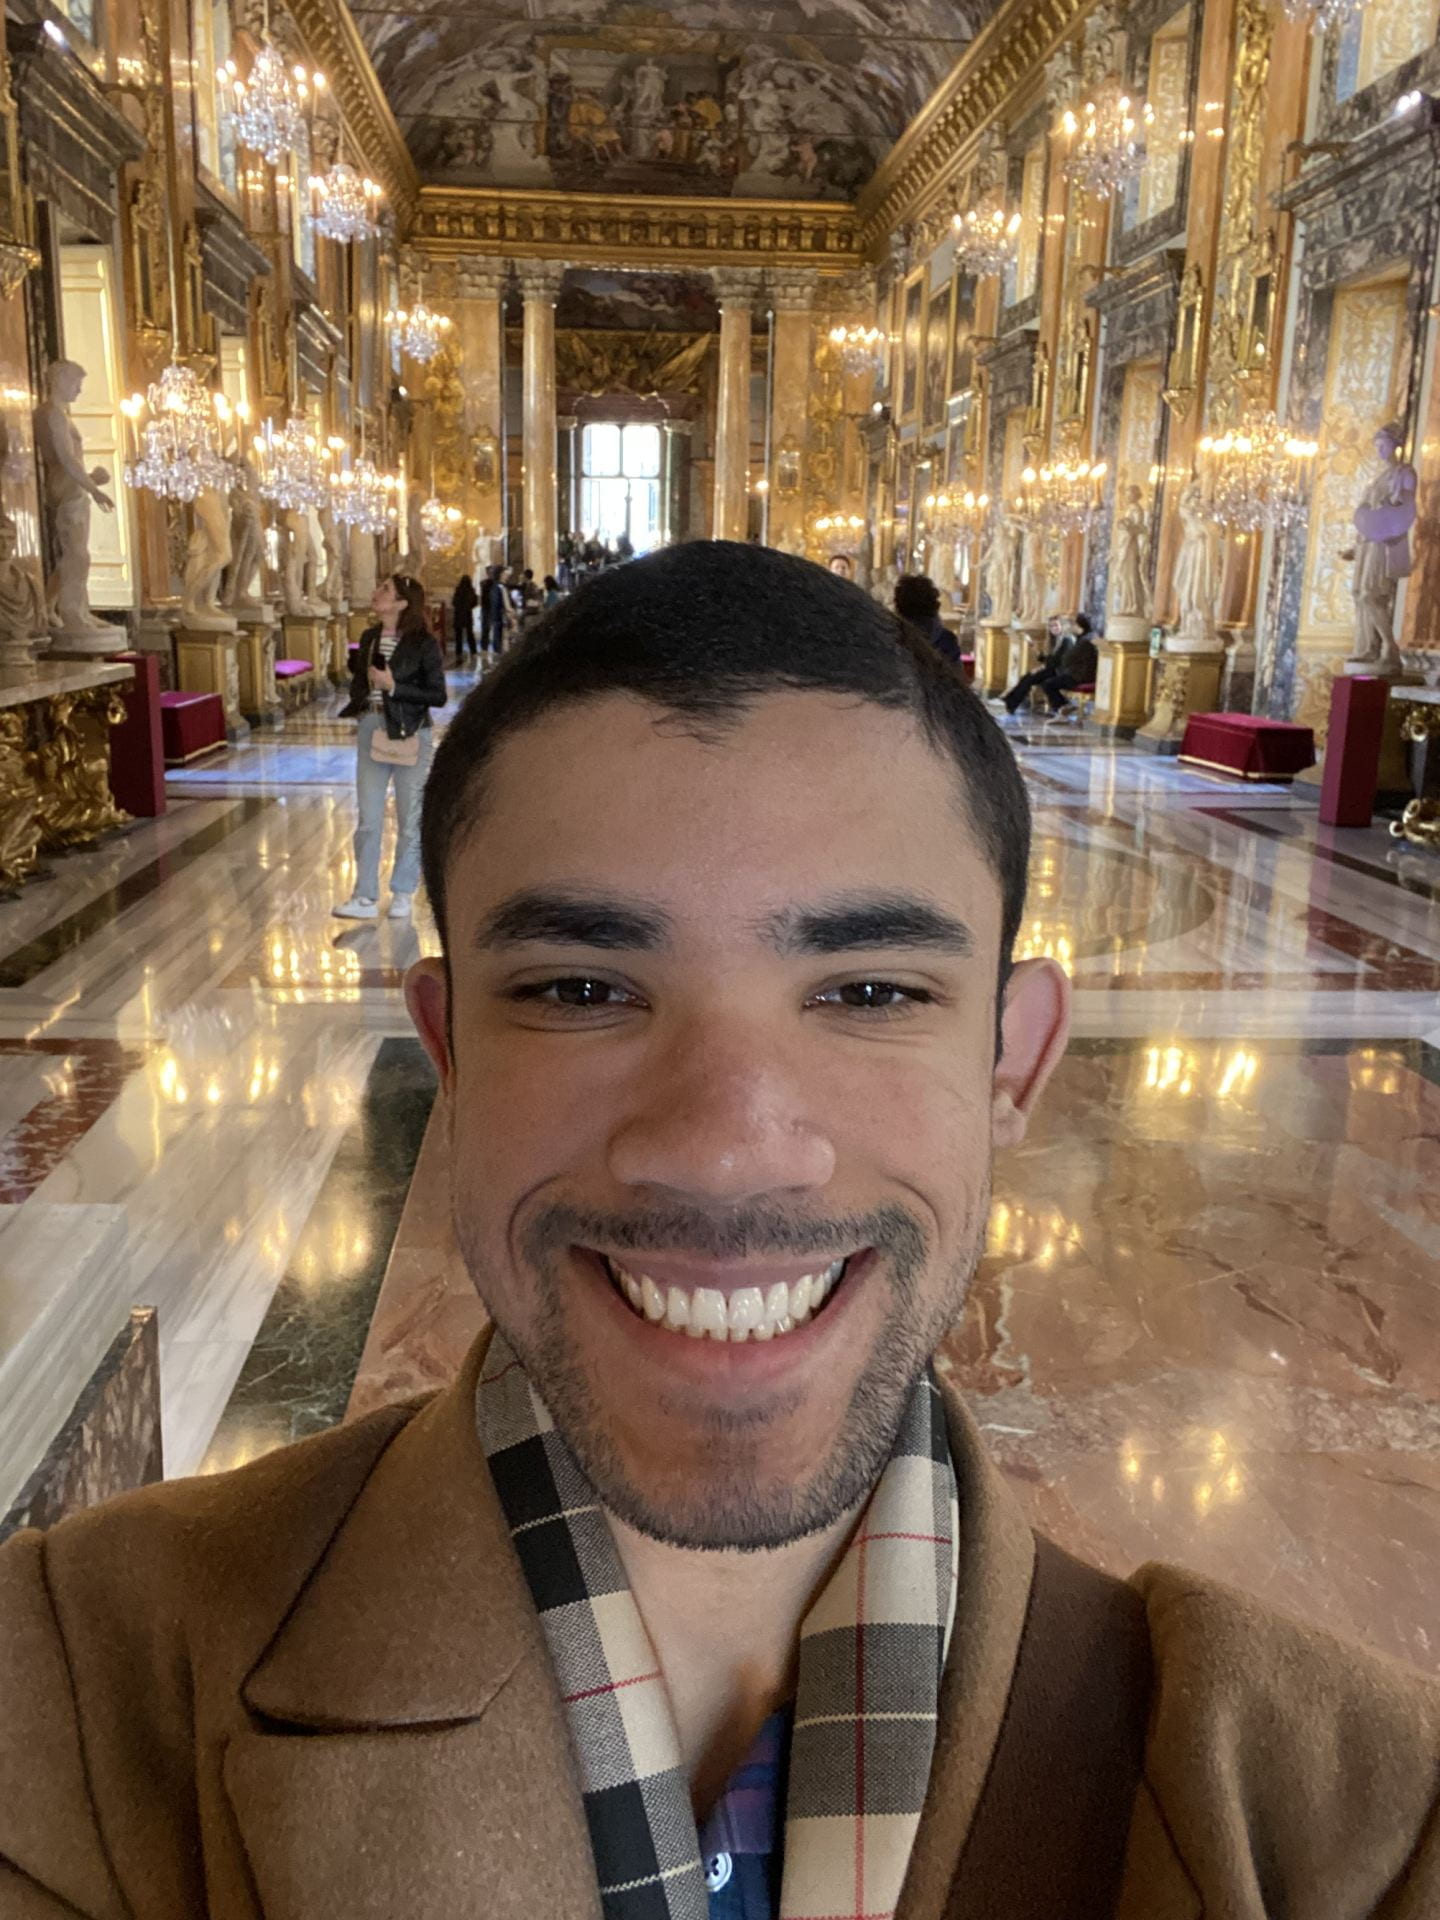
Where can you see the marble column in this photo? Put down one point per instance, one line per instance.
(792, 296)
(481, 282)
(540, 284)
(735, 290)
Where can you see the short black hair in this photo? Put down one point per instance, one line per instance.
(1081, 623)
(700, 631)
(916, 597)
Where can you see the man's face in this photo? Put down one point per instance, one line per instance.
(723, 1029)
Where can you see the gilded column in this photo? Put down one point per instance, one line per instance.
(540, 284)
(481, 283)
(792, 298)
(735, 291)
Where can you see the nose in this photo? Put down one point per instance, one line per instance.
(721, 1118)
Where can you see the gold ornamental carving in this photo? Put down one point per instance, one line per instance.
(73, 768)
(1180, 381)
(19, 803)
(600, 360)
(1245, 258)
(635, 230)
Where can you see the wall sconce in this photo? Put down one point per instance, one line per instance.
(787, 469)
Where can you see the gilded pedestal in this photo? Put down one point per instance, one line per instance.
(1414, 714)
(72, 768)
(20, 824)
(307, 638)
(994, 661)
(1122, 682)
(259, 639)
(207, 661)
(338, 630)
(1186, 683)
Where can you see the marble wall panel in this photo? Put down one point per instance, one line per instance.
(111, 1441)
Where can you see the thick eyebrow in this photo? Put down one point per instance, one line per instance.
(573, 919)
(867, 922)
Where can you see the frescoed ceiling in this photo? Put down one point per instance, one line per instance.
(799, 100)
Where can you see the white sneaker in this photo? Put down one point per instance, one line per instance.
(400, 905)
(356, 909)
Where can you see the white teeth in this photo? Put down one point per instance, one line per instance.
(750, 1313)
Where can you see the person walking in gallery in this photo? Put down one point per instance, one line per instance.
(917, 599)
(1071, 662)
(495, 614)
(399, 676)
(463, 603)
(698, 1593)
(553, 594)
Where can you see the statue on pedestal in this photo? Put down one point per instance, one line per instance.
(302, 563)
(206, 558)
(1381, 554)
(24, 619)
(1000, 569)
(1031, 609)
(332, 584)
(1198, 568)
(1128, 594)
(70, 491)
(247, 540)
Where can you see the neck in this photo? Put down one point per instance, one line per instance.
(389, 623)
(726, 1629)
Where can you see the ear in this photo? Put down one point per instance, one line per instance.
(427, 995)
(1033, 1029)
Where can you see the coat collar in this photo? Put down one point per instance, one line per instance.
(417, 1621)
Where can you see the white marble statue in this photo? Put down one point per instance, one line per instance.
(1199, 566)
(206, 558)
(24, 620)
(70, 491)
(1381, 553)
(1000, 568)
(247, 539)
(1129, 597)
(1030, 610)
(332, 583)
(301, 564)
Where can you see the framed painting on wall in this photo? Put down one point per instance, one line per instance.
(911, 328)
(937, 356)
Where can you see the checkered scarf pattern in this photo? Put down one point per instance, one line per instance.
(872, 1650)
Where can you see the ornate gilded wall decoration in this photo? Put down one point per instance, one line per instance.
(1245, 254)
(1180, 379)
(73, 764)
(20, 824)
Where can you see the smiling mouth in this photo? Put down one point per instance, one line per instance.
(732, 1315)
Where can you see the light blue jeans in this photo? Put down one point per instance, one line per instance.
(372, 782)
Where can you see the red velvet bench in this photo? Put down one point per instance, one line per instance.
(294, 683)
(191, 724)
(1247, 745)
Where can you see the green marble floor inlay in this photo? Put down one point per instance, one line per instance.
(300, 1370)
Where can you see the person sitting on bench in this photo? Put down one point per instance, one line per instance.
(1070, 663)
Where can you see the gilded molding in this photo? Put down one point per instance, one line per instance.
(636, 229)
(334, 44)
(1014, 46)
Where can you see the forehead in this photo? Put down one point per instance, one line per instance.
(796, 796)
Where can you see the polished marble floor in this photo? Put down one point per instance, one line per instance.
(1208, 1324)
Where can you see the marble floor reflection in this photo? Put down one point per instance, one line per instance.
(1207, 1324)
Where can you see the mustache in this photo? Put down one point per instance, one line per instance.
(736, 1234)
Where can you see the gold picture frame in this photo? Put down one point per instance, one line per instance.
(912, 342)
(939, 343)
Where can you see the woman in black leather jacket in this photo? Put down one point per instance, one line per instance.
(399, 676)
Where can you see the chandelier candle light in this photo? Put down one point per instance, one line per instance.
(364, 498)
(986, 238)
(420, 332)
(344, 204)
(1109, 148)
(294, 467)
(268, 108)
(1258, 474)
(439, 525)
(177, 452)
(1064, 497)
(859, 347)
(1321, 14)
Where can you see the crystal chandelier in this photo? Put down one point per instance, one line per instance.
(268, 115)
(1321, 14)
(1064, 497)
(986, 237)
(177, 453)
(294, 467)
(420, 332)
(958, 516)
(1109, 148)
(364, 498)
(859, 347)
(344, 204)
(1258, 474)
(439, 525)
(836, 524)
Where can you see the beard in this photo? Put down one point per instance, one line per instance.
(740, 1505)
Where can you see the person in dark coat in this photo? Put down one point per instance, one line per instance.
(1071, 663)
(399, 676)
(495, 614)
(463, 603)
(917, 600)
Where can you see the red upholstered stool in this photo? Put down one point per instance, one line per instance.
(294, 681)
(1247, 745)
(191, 724)
(1082, 697)
(967, 667)
(137, 751)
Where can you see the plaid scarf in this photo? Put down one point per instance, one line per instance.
(872, 1650)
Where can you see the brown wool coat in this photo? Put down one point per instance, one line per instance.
(316, 1689)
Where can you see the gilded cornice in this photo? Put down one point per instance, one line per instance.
(334, 44)
(632, 230)
(1010, 51)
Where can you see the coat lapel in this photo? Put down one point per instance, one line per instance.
(407, 1751)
